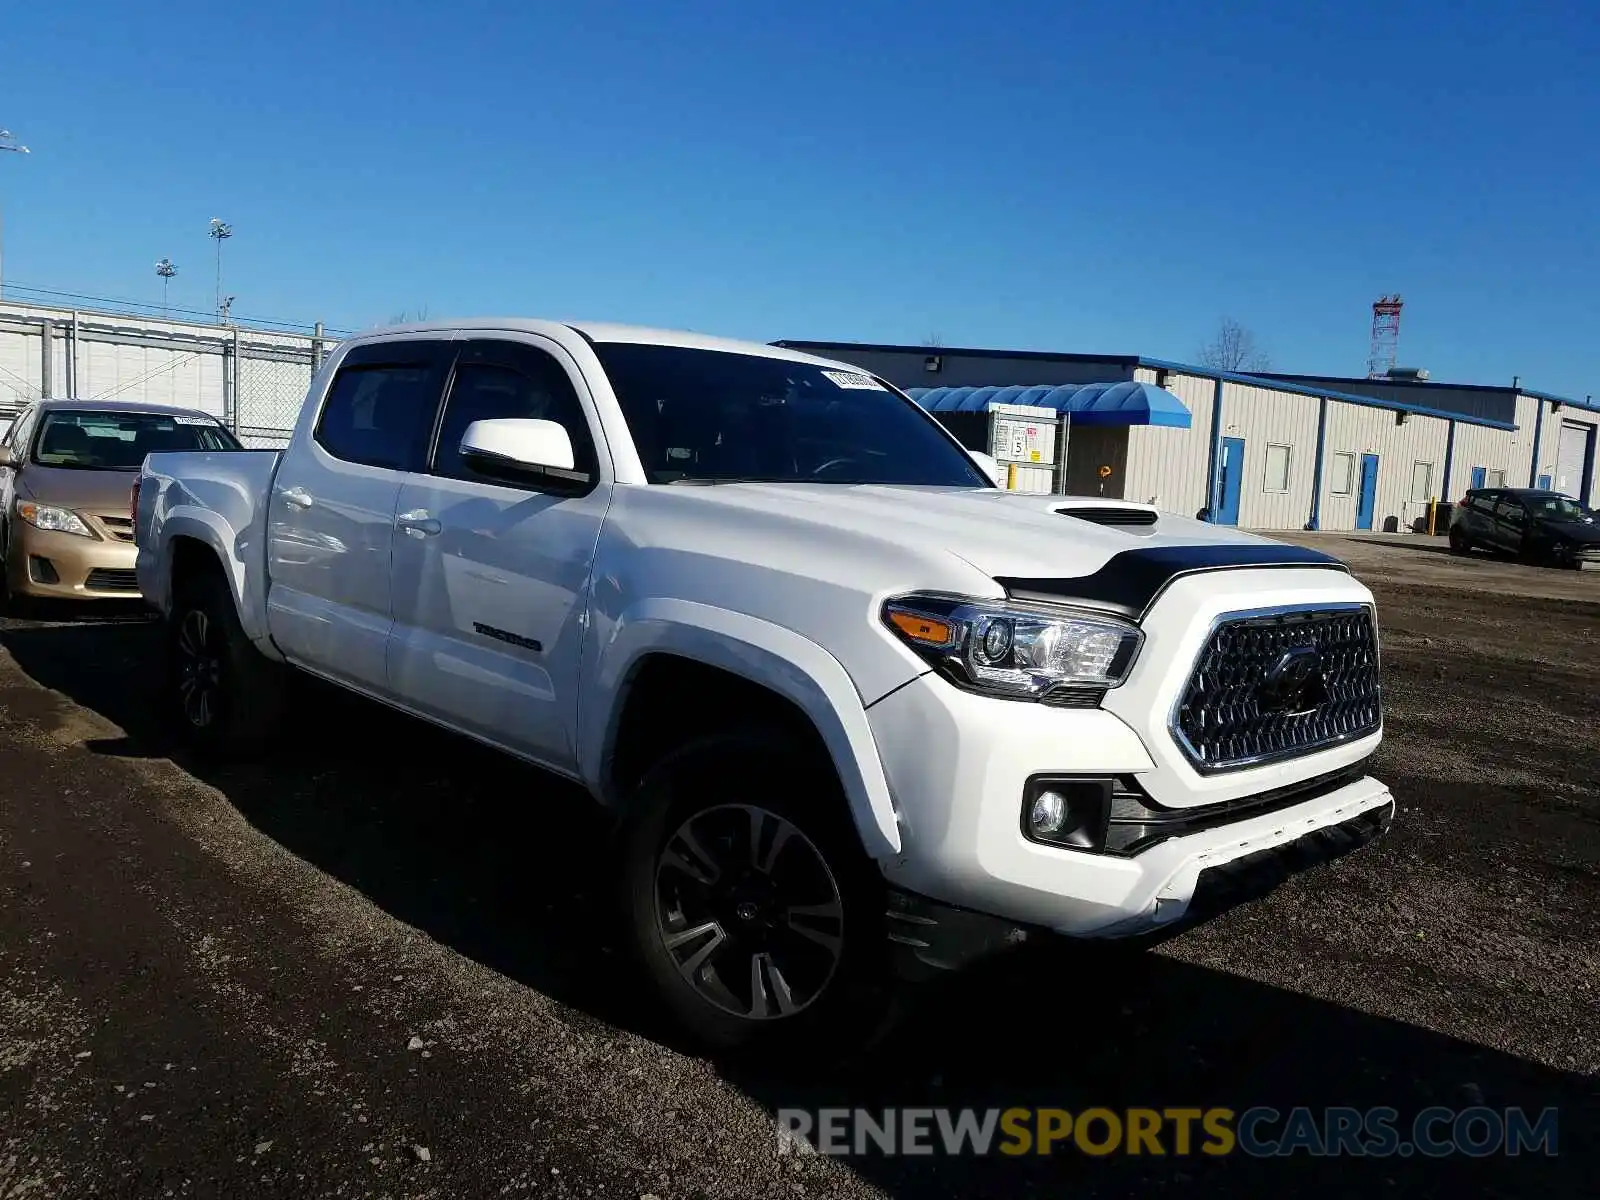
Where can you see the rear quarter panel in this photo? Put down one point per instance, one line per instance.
(217, 499)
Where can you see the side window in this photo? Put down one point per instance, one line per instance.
(1277, 479)
(381, 404)
(1510, 510)
(1344, 473)
(509, 379)
(21, 431)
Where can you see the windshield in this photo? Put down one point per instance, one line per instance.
(714, 415)
(1556, 508)
(118, 441)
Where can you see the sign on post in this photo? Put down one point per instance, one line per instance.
(1025, 438)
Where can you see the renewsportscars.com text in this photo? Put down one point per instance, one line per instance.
(1260, 1132)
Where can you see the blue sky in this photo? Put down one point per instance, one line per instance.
(1048, 175)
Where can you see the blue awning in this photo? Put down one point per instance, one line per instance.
(1122, 403)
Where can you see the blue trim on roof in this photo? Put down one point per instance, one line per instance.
(1300, 389)
(1118, 403)
(830, 349)
(1585, 405)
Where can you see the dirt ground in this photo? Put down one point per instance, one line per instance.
(376, 965)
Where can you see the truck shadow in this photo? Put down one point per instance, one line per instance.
(508, 866)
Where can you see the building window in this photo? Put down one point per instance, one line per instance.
(1344, 473)
(1495, 479)
(1421, 482)
(1277, 468)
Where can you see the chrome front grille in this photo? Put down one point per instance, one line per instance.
(1277, 685)
(112, 579)
(118, 527)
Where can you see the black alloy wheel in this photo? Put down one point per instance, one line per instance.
(199, 671)
(749, 911)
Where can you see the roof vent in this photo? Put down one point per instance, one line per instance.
(1409, 374)
(1104, 514)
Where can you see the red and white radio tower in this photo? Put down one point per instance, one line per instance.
(1385, 335)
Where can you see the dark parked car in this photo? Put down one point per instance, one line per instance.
(1535, 525)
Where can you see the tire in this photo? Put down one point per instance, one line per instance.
(745, 892)
(1459, 543)
(223, 695)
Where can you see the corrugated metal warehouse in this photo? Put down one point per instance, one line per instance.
(1265, 452)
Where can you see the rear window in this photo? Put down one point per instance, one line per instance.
(118, 441)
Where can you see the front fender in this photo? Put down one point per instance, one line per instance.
(766, 654)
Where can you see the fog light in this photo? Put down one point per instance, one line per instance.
(1048, 814)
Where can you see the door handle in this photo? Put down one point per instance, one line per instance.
(297, 497)
(418, 523)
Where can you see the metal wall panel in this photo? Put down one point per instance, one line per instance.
(1262, 416)
(1496, 404)
(130, 357)
(1168, 467)
(1360, 430)
(21, 369)
(1491, 449)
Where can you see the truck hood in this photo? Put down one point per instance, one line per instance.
(1002, 534)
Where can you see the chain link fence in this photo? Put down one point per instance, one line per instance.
(270, 387)
(255, 380)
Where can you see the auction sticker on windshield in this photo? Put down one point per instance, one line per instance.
(848, 379)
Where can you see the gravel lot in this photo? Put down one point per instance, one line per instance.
(376, 966)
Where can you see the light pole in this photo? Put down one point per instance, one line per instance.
(220, 231)
(166, 270)
(8, 141)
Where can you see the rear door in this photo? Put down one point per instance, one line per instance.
(490, 575)
(330, 519)
(1510, 523)
(1477, 517)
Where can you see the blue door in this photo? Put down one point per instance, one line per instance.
(1479, 475)
(1369, 491)
(1231, 469)
(1544, 483)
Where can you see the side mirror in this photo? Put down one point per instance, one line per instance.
(990, 465)
(520, 448)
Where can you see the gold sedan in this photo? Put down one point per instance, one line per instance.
(67, 469)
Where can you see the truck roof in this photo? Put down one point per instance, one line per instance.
(605, 331)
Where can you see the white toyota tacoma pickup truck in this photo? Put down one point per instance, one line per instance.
(859, 712)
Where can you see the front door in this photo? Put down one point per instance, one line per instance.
(330, 518)
(1367, 503)
(1231, 469)
(491, 576)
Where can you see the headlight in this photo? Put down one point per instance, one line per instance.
(47, 516)
(1014, 650)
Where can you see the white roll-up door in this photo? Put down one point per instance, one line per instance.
(1571, 456)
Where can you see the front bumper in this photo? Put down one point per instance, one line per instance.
(47, 563)
(959, 766)
(929, 939)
